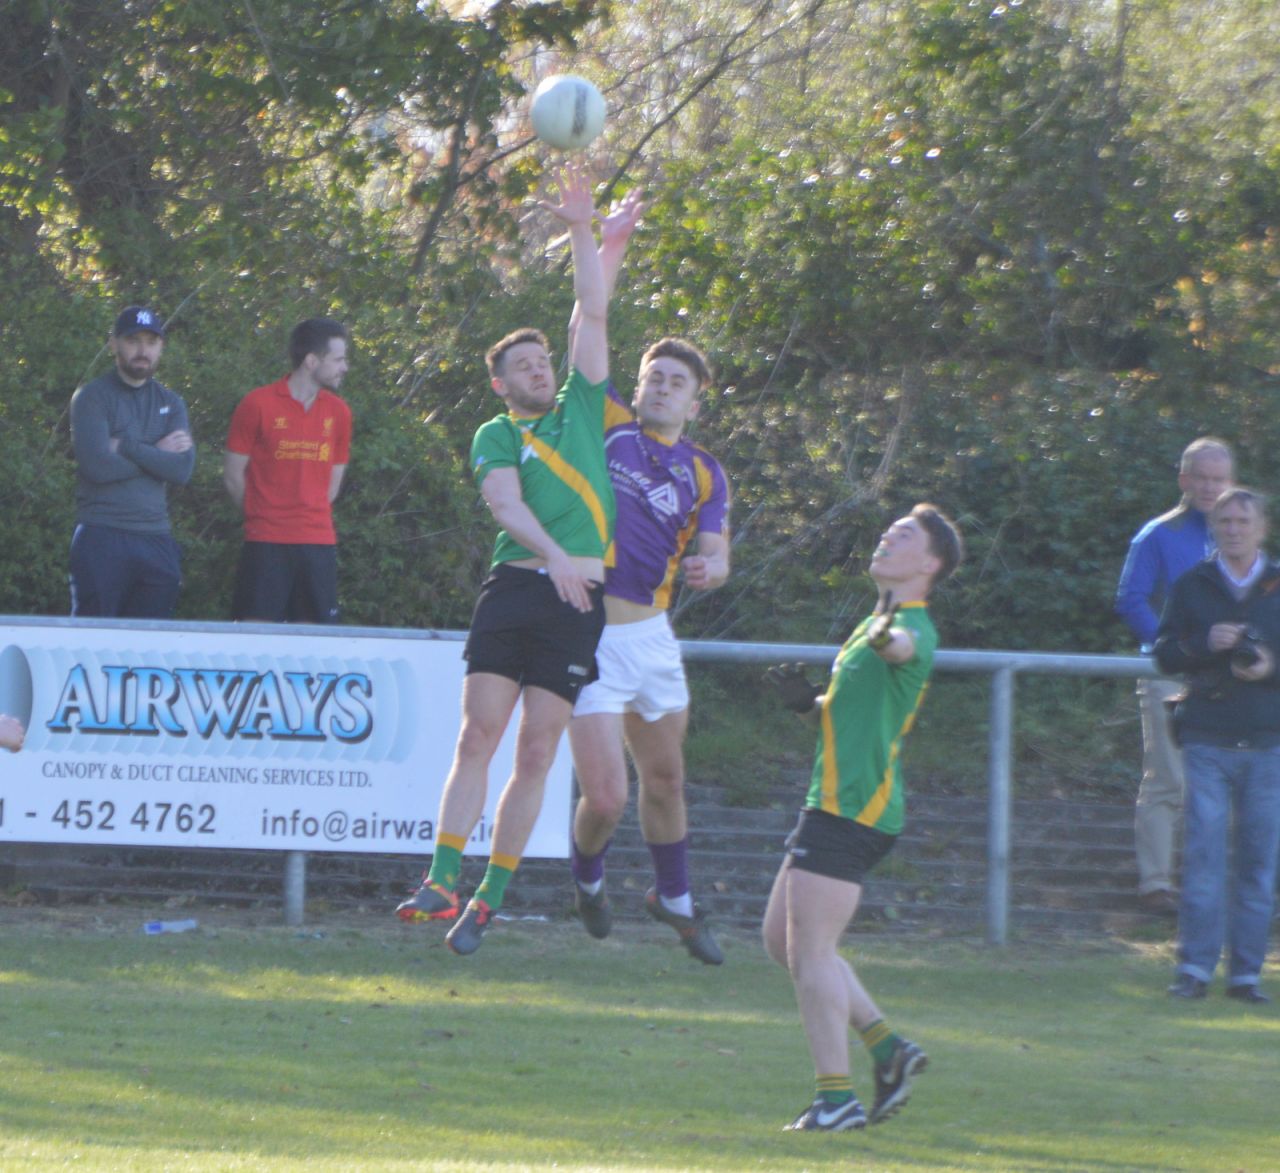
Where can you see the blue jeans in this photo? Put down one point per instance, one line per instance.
(1211, 911)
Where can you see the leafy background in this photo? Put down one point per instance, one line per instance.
(1008, 257)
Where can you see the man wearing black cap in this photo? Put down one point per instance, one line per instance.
(131, 439)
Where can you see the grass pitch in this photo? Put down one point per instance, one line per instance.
(367, 1046)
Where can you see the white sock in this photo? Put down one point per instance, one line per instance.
(680, 905)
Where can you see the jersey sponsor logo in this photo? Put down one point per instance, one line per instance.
(528, 453)
(311, 450)
(664, 500)
(164, 410)
(628, 479)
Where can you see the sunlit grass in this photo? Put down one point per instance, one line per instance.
(373, 1048)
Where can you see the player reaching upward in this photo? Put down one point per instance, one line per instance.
(852, 816)
(541, 469)
(672, 498)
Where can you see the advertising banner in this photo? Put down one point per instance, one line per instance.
(230, 735)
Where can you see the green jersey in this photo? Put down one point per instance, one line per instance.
(564, 478)
(870, 707)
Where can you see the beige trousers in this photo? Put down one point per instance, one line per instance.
(1159, 806)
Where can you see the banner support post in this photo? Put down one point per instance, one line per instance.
(295, 886)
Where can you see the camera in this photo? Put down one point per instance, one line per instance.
(1248, 651)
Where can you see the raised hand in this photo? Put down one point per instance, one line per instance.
(620, 222)
(880, 633)
(576, 203)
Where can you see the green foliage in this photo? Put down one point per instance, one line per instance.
(242, 168)
(967, 285)
(36, 382)
(1007, 258)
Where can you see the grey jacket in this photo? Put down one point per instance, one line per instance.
(126, 488)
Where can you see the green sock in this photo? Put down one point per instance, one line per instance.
(446, 865)
(496, 877)
(835, 1089)
(879, 1040)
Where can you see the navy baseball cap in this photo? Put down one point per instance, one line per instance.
(136, 318)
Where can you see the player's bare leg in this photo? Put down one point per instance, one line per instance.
(601, 767)
(543, 718)
(802, 929)
(803, 922)
(657, 748)
(600, 764)
(487, 704)
(818, 911)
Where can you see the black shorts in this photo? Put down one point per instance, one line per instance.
(522, 629)
(838, 848)
(279, 582)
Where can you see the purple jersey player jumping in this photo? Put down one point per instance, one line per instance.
(672, 497)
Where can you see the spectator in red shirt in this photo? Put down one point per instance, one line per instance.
(287, 451)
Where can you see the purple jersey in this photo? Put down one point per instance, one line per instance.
(666, 494)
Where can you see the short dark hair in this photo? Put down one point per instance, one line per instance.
(945, 542)
(682, 350)
(313, 337)
(496, 355)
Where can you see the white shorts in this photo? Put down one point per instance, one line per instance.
(640, 672)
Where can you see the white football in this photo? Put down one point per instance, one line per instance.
(567, 112)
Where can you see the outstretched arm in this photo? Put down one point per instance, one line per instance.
(615, 234)
(576, 211)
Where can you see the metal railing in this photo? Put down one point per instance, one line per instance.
(1002, 667)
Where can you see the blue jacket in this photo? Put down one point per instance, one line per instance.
(1161, 552)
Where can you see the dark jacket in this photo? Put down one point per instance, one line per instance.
(126, 488)
(1220, 709)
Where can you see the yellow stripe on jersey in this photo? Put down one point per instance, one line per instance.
(830, 775)
(875, 807)
(662, 596)
(870, 814)
(577, 482)
(616, 414)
